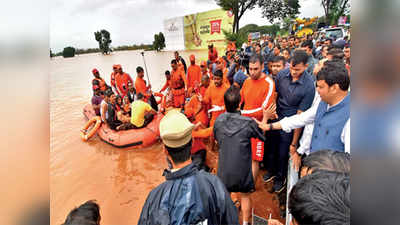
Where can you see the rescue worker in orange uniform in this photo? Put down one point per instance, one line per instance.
(257, 93)
(180, 62)
(212, 53)
(167, 81)
(213, 99)
(140, 84)
(203, 67)
(221, 66)
(205, 83)
(122, 80)
(102, 84)
(178, 85)
(193, 74)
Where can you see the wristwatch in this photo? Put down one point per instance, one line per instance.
(293, 145)
(270, 126)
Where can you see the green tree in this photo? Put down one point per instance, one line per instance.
(334, 9)
(68, 52)
(159, 41)
(279, 9)
(238, 7)
(103, 37)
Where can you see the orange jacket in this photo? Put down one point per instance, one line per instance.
(121, 83)
(112, 79)
(166, 85)
(102, 83)
(178, 79)
(256, 95)
(195, 111)
(213, 56)
(193, 76)
(140, 86)
(214, 97)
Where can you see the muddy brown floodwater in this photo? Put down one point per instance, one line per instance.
(119, 179)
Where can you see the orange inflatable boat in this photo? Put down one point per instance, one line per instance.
(136, 138)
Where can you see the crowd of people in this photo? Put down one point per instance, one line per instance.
(280, 98)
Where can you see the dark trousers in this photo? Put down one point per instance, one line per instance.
(276, 156)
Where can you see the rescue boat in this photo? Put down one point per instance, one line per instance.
(135, 138)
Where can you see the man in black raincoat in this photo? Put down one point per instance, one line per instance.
(233, 133)
(188, 196)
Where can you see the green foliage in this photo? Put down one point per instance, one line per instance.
(68, 52)
(103, 37)
(238, 7)
(241, 36)
(335, 9)
(279, 9)
(133, 47)
(267, 29)
(159, 41)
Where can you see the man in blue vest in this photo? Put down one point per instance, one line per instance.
(331, 117)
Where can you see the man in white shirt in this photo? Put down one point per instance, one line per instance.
(331, 117)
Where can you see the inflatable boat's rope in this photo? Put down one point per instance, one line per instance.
(158, 136)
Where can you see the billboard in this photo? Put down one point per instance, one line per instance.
(202, 29)
(174, 34)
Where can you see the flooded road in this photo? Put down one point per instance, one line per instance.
(119, 179)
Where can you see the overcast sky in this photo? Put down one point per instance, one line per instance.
(73, 22)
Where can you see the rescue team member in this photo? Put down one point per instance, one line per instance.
(112, 79)
(213, 99)
(221, 66)
(233, 132)
(205, 83)
(178, 85)
(102, 84)
(141, 112)
(180, 62)
(197, 114)
(193, 74)
(214, 96)
(167, 81)
(212, 53)
(188, 196)
(257, 93)
(203, 67)
(122, 80)
(140, 84)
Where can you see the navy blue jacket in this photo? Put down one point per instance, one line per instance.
(188, 197)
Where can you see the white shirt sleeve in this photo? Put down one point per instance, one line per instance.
(302, 119)
(345, 136)
(305, 140)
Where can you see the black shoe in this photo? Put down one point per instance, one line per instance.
(279, 185)
(268, 177)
